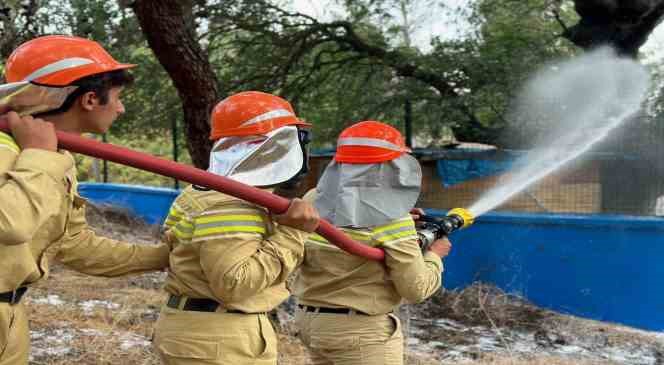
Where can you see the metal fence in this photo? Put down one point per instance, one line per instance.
(623, 175)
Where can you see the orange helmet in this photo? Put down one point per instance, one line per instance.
(59, 60)
(369, 142)
(251, 113)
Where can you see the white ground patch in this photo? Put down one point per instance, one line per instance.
(131, 340)
(50, 343)
(519, 343)
(89, 306)
(50, 299)
(55, 343)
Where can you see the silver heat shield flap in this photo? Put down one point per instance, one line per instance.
(367, 195)
(26, 98)
(259, 160)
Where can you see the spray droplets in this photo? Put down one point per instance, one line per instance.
(565, 110)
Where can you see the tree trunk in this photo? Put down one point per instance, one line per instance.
(173, 40)
(623, 24)
(628, 186)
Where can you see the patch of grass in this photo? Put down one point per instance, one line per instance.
(483, 305)
(117, 326)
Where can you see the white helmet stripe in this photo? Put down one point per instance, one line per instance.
(58, 66)
(370, 142)
(269, 115)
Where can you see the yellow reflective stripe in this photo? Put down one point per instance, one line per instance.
(9, 148)
(228, 236)
(359, 236)
(230, 211)
(321, 241)
(317, 238)
(175, 211)
(363, 237)
(400, 224)
(171, 221)
(186, 223)
(221, 223)
(321, 244)
(229, 229)
(182, 234)
(175, 214)
(395, 236)
(7, 141)
(228, 218)
(179, 223)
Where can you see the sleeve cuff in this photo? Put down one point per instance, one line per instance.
(433, 258)
(53, 163)
(154, 257)
(287, 235)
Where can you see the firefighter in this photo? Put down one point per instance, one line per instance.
(231, 258)
(346, 303)
(41, 214)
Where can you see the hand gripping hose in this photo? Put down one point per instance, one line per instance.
(143, 161)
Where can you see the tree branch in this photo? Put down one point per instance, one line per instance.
(177, 49)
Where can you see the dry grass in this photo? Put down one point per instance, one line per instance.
(116, 222)
(118, 329)
(484, 305)
(100, 336)
(541, 360)
(124, 314)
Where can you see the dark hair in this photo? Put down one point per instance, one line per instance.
(100, 84)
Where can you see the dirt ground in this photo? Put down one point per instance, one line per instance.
(77, 319)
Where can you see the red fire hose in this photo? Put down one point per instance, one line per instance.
(143, 161)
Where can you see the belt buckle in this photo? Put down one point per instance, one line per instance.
(174, 301)
(16, 297)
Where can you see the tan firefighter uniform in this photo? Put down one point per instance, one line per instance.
(39, 196)
(364, 292)
(228, 267)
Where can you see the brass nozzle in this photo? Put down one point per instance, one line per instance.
(467, 217)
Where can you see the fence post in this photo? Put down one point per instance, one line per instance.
(408, 122)
(174, 133)
(105, 163)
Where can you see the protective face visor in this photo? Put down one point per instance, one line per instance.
(368, 195)
(264, 160)
(304, 137)
(27, 98)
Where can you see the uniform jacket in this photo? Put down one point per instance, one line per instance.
(42, 217)
(330, 277)
(230, 251)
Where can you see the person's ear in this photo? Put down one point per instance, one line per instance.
(89, 101)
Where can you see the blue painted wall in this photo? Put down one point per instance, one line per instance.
(609, 268)
(151, 204)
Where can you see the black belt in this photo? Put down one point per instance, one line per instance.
(13, 297)
(197, 304)
(308, 308)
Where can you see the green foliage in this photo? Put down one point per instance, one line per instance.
(330, 81)
(152, 103)
(512, 40)
(333, 83)
(160, 146)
